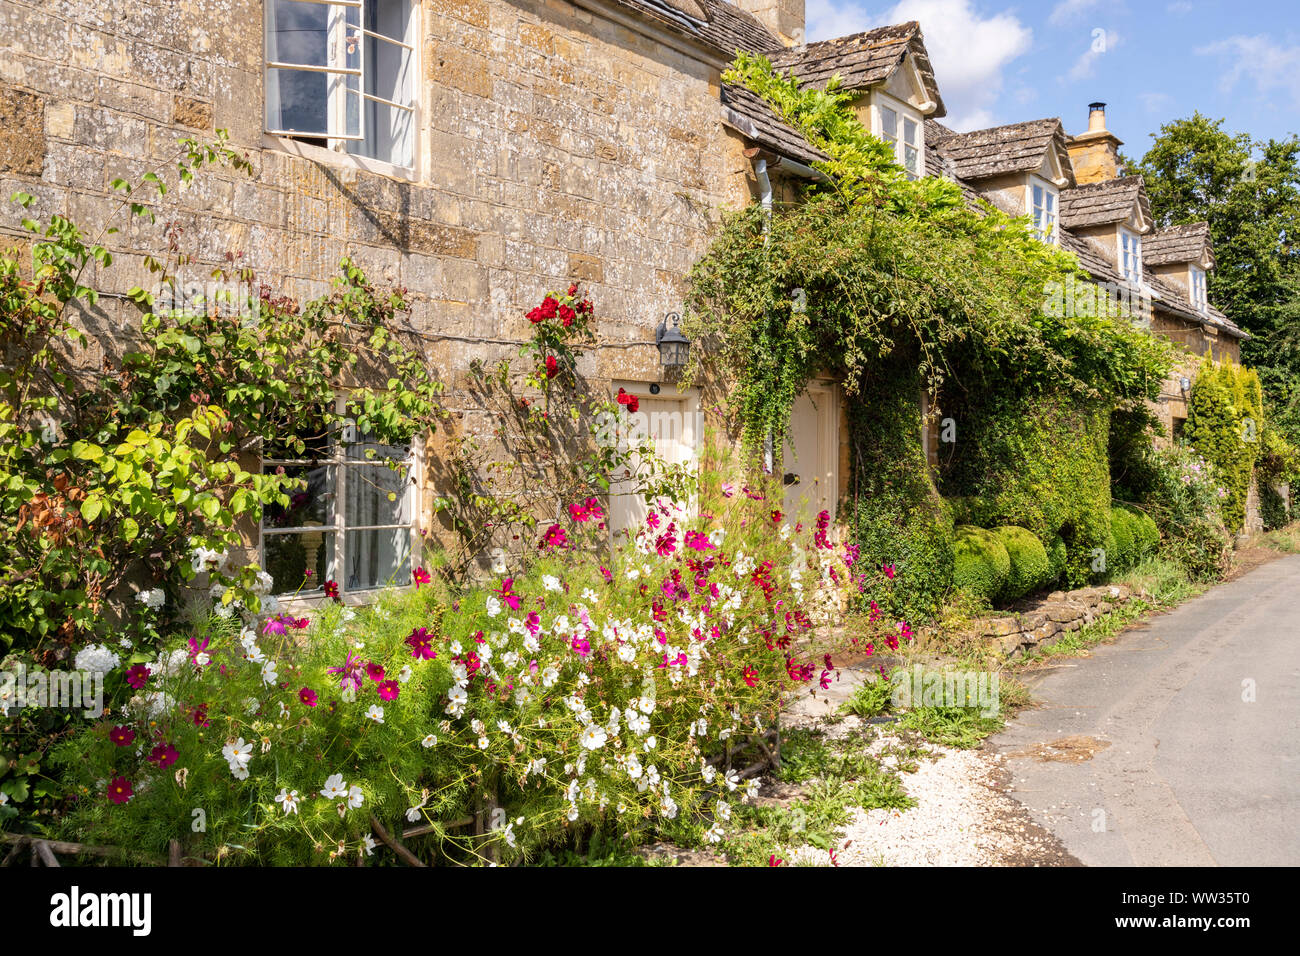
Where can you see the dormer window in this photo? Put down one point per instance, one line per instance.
(1042, 207)
(1197, 289)
(1130, 256)
(902, 130)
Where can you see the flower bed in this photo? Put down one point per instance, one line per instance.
(579, 693)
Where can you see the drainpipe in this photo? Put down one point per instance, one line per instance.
(765, 194)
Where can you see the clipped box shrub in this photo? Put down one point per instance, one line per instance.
(1135, 536)
(1030, 568)
(1057, 555)
(981, 564)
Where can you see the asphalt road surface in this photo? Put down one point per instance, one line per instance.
(1179, 743)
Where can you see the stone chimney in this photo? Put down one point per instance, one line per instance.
(1095, 154)
(785, 18)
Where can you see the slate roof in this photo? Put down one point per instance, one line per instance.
(862, 59)
(1098, 204)
(752, 115)
(1187, 243)
(724, 26)
(1015, 148)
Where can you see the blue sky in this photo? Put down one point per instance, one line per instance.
(1150, 61)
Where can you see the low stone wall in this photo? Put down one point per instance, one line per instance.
(1060, 613)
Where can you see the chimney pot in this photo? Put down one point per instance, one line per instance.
(1096, 117)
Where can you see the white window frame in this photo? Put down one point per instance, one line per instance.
(1129, 246)
(1196, 288)
(336, 518)
(340, 31)
(903, 114)
(1044, 215)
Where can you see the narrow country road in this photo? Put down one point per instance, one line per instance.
(1178, 743)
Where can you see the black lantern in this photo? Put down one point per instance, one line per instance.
(674, 348)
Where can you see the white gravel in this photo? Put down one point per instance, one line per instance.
(961, 817)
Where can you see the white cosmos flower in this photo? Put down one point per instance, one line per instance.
(369, 845)
(714, 833)
(633, 766)
(626, 653)
(594, 737)
(551, 583)
(376, 713)
(289, 799)
(404, 674)
(355, 796)
(334, 787)
(239, 771)
(646, 704)
(428, 741)
(650, 744)
(269, 675)
(638, 723)
(493, 606)
(549, 676)
(238, 753)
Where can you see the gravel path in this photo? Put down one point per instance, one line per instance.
(962, 817)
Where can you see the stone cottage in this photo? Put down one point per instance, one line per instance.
(481, 152)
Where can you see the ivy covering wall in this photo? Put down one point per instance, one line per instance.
(1225, 417)
(1037, 460)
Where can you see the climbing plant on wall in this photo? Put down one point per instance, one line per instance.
(1225, 423)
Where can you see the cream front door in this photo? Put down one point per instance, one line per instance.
(671, 420)
(810, 457)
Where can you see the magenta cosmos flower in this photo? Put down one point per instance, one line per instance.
(164, 755)
(307, 696)
(119, 790)
(349, 672)
(553, 539)
(122, 736)
(389, 689)
(138, 676)
(421, 576)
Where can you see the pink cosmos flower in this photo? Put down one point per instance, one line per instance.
(889, 571)
(138, 676)
(122, 736)
(120, 790)
(421, 644)
(554, 538)
(276, 625)
(728, 489)
(196, 649)
(751, 677)
(581, 645)
(164, 755)
(389, 689)
(349, 673)
(579, 513)
(698, 541)
(421, 576)
(307, 696)
(506, 592)
(607, 574)
(375, 671)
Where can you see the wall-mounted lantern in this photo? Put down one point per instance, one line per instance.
(674, 347)
(1185, 384)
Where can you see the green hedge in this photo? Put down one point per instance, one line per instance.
(1134, 535)
(897, 515)
(1057, 555)
(1225, 421)
(1030, 567)
(1036, 461)
(981, 564)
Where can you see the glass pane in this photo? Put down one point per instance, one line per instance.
(377, 558)
(388, 18)
(377, 494)
(911, 159)
(298, 32)
(309, 504)
(297, 101)
(362, 450)
(288, 558)
(909, 131)
(389, 134)
(889, 123)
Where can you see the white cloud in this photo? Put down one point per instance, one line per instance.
(1155, 102)
(1179, 7)
(1262, 61)
(969, 50)
(1103, 41)
(1067, 11)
